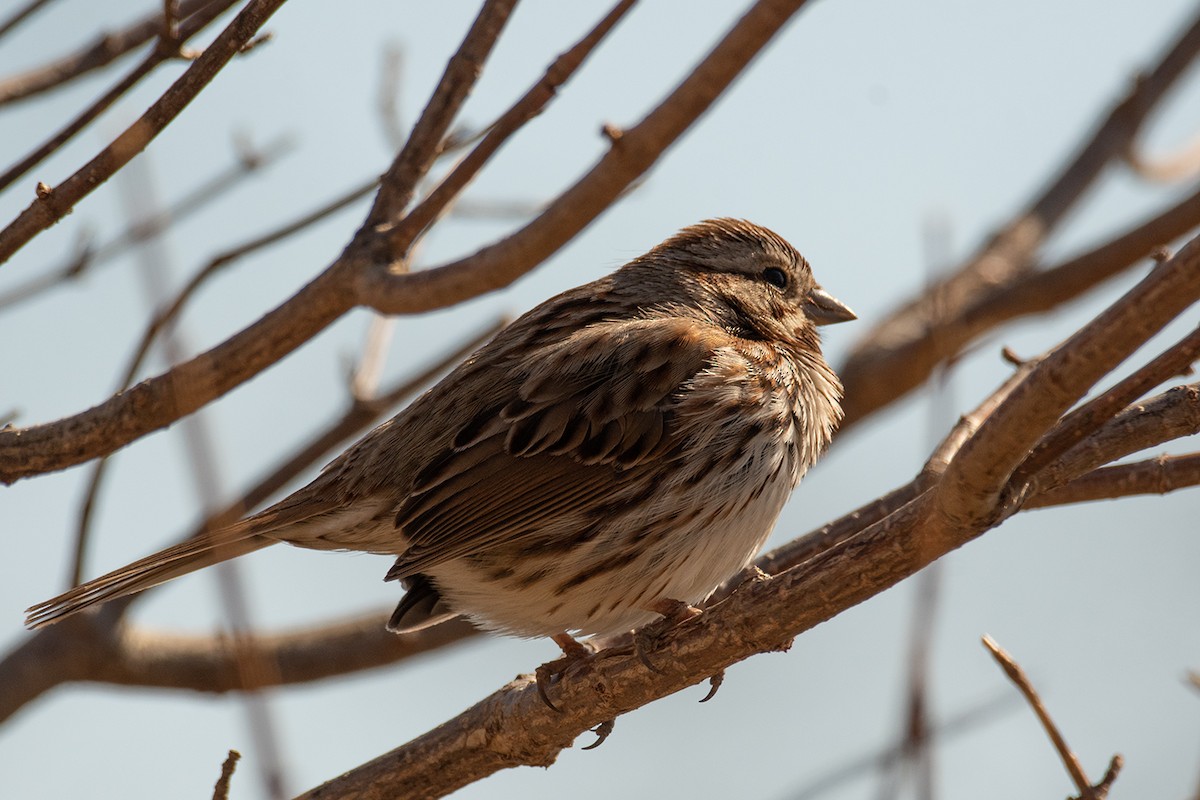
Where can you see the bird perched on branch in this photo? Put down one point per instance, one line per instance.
(612, 455)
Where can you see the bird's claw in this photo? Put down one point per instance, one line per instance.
(644, 640)
(674, 613)
(714, 683)
(602, 732)
(549, 673)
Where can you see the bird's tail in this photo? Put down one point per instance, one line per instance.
(188, 556)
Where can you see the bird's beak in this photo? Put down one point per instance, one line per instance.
(825, 309)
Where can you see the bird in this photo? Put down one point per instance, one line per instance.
(612, 455)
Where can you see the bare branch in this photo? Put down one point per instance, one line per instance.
(1160, 475)
(70, 653)
(50, 206)
(1027, 294)
(156, 403)
(219, 262)
(877, 532)
(1017, 675)
(1171, 415)
(526, 108)
(966, 720)
(390, 85)
(361, 414)
(424, 144)
(627, 159)
(212, 664)
(1091, 416)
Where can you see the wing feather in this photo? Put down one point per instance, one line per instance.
(592, 413)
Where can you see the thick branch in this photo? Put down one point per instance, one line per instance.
(514, 727)
(88, 257)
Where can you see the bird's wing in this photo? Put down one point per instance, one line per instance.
(589, 418)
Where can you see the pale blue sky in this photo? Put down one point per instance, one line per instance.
(862, 122)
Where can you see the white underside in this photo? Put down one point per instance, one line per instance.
(686, 566)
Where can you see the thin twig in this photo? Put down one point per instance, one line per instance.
(1161, 475)
(226, 258)
(20, 15)
(626, 160)
(1171, 415)
(1030, 293)
(424, 143)
(1013, 670)
(391, 83)
(962, 722)
(139, 194)
(1050, 288)
(526, 108)
(169, 31)
(362, 412)
(78, 647)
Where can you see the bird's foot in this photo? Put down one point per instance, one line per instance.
(674, 613)
(548, 674)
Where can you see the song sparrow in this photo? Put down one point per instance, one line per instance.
(624, 445)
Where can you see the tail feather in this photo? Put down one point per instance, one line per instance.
(174, 561)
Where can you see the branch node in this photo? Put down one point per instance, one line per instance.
(221, 790)
(611, 132)
(262, 38)
(1110, 775)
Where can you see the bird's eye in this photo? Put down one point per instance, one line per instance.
(776, 277)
